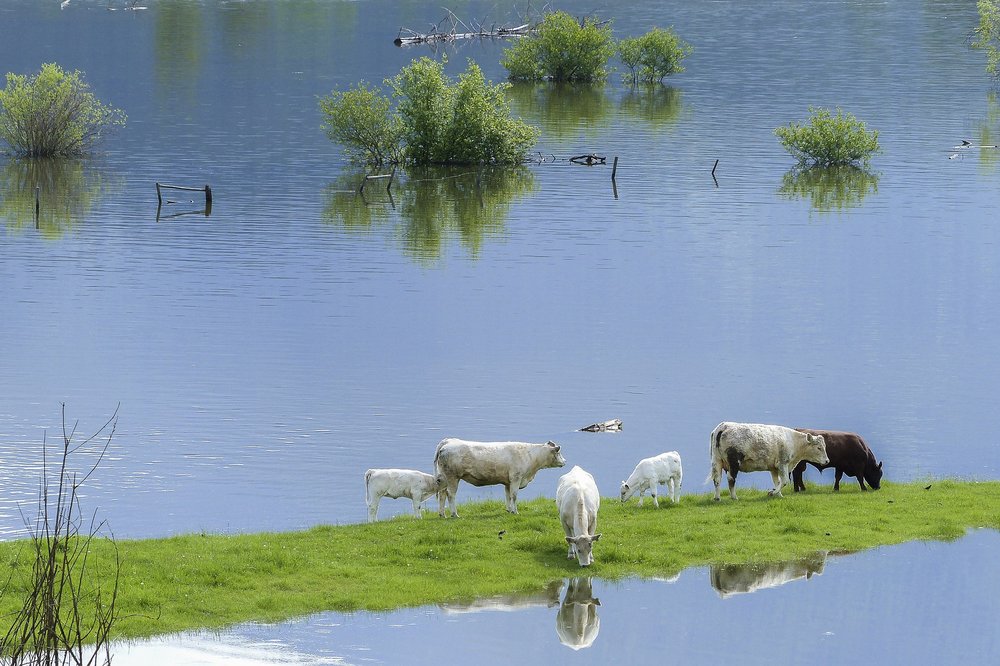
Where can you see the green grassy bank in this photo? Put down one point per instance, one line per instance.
(203, 581)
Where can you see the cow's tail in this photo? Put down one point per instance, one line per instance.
(437, 454)
(368, 497)
(714, 453)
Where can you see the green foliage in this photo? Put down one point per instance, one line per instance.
(361, 120)
(562, 49)
(653, 56)
(436, 120)
(192, 581)
(988, 34)
(829, 140)
(829, 188)
(53, 113)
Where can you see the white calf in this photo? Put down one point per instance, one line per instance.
(395, 483)
(651, 472)
(577, 500)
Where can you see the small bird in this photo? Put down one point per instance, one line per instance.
(500, 534)
(928, 487)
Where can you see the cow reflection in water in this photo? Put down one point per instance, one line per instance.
(547, 598)
(730, 579)
(577, 623)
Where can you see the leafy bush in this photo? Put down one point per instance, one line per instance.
(829, 140)
(53, 113)
(988, 33)
(361, 120)
(436, 121)
(562, 49)
(653, 56)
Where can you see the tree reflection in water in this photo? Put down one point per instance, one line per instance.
(69, 191)
(829, 188)
(429, 206)
(658, 105)
(563, 111)
(730, 579)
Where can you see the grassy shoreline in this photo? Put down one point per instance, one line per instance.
(209, 581)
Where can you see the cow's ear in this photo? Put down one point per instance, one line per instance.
(551, 443)
(569, 539)
(880, 465)
(597, 536)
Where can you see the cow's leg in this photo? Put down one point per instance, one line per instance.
(732, 484)
(416, 506)
(797, 484)
(778, 476)
(836, 480)
(450, 491)
(642, 494)
(512, 497)
(373, 508)
(656, 502)
(860, 473)
(716, 478)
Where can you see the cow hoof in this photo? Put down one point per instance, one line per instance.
(716, 499)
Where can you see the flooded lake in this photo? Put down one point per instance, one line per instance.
(266, 354)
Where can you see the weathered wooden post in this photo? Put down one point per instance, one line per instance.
(614, 169)
(208, 197)
(159, 197)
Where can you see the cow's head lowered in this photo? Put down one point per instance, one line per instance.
(584, 548)
(555, 458)
(814, 450)
(873, 473)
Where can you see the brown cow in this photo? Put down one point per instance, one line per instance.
(848, 454)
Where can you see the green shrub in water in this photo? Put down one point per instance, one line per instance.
(988, 33)
(829, 140)
(436, 120)
(53, 113)
(653, 56)
(362, 121)
(562, 49)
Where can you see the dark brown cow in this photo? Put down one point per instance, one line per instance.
(848, 454)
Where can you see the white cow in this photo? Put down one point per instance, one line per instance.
(753, 447)
(510, 464)
(578, 500)
(395, 483)
(650, 472)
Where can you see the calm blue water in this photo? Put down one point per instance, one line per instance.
(266, 355)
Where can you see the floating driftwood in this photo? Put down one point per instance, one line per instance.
(589, 160)
(459, 30)
(614, 425)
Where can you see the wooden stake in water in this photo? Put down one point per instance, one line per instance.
(38, 193)
(614, 169)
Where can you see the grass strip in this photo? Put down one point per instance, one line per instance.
(208, 581)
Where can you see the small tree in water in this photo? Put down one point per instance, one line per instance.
(53, 114)
(562, 49)
(653, 56)
(436, 120)
(829, 140)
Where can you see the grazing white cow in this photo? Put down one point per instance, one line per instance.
(664, 469)
(510, 464)
(578, 500)
(753, 447)
(396, 483)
